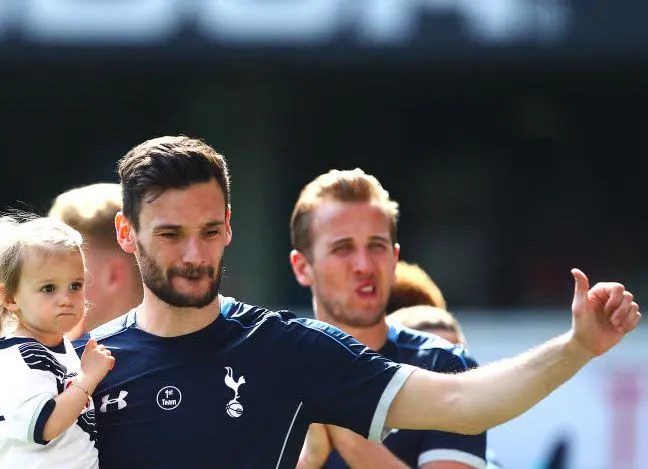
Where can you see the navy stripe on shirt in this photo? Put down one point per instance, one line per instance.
(39, 428)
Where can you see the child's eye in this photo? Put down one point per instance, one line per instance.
(76, 286)
(49, 288)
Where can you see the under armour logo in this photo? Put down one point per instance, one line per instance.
(119, 400)
(233, 408)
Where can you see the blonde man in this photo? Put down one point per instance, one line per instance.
(343, 230)
(114, 284)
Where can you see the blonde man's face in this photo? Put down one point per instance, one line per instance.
(352, 263)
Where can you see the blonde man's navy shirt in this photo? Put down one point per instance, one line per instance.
(415, 447)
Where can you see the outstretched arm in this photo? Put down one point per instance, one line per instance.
(479, 399)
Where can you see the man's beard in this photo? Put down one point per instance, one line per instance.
(349, 319)
(160, 284)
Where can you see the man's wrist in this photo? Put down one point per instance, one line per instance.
(575, 351)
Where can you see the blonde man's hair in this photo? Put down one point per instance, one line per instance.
(91, 210)
(23, 234)
(413, 286)
(427, 318)
(342, 186)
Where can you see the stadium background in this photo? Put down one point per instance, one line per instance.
(512, 132)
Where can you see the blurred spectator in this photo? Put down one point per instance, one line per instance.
(413, 286)
(429, 319)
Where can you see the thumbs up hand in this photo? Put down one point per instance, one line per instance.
(601, 315)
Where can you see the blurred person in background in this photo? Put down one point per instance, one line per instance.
(343, 231)
(413, 286)
(114, 284)
(430, 319)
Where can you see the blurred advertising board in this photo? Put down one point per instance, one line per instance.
(335, 29)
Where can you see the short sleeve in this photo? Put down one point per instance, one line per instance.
(350, 385)
(28, 403)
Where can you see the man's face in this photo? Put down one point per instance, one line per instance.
(353, 260)
(180, 244)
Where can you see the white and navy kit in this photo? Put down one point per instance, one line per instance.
(32, 376)
(239, 393)
(416, 448)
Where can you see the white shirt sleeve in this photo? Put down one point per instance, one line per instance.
(27, 401)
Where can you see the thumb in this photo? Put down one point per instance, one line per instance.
(91, 344)
(581, 285)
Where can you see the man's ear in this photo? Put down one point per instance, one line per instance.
(8, 301)
(301, 268)
(125, 233)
